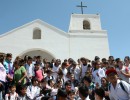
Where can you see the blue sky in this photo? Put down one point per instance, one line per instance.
(114, 14)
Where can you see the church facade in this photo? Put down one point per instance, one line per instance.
(85, 38)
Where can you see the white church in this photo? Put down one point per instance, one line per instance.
(85, 38)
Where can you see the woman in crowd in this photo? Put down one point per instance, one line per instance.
(19, 74)
(90, 85)
(105, 86)
(38, 72)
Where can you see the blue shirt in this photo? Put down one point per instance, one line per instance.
(8, 66)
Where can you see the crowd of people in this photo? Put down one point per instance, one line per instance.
(36, 79)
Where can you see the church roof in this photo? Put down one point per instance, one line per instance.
(36, 21)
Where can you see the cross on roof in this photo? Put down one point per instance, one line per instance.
(81, 7)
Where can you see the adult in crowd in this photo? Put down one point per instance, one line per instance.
(29, 69)
(104, 86)
(75, 70)
(70, 62)
(38, 72)
(118, 89)
(19, 74)
(84, 66)
(55, 68)
(68, 86)
(74, 82)
(63, 69)
(2, 77)
(123, 71)
(9, 67)
(98, 74)
(90, 85)
(9, 70)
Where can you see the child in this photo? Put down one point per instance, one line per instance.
(23, 94)
(45, 89)
(33, 91)
(49, 76)
(12, 95)
(53, 89)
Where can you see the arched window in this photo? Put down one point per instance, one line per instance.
(37, 34)
(86, 25)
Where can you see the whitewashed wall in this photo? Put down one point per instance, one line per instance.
(56, 43)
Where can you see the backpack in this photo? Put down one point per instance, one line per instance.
(122, 87)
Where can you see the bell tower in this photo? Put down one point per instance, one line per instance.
(86, 37)
(85, 22)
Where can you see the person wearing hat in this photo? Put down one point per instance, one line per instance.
(118, 89)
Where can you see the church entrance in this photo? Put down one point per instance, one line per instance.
(38, 52)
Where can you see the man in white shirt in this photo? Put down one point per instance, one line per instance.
(116, 90)
(75, 70)
(55, 68)
(29, 68)
(84, 66)
(98, 74)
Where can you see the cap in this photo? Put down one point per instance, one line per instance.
(110, 71)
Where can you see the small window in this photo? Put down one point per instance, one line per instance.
(86, 25)
(37, 34)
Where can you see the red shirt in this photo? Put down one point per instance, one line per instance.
(39, 75)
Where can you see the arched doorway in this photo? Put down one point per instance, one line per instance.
(38, 52)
